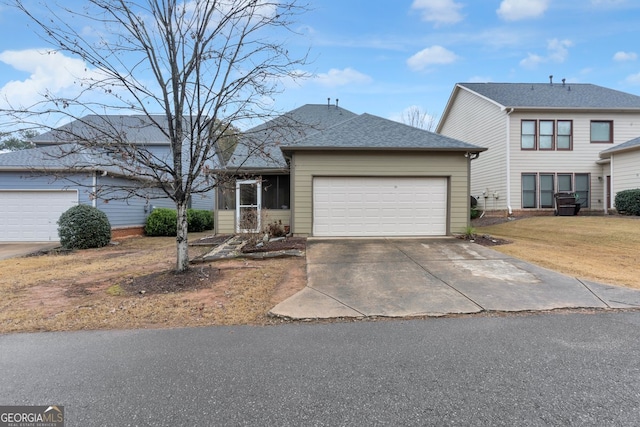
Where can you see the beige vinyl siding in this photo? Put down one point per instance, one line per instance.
(225, 222)
(478, 121)
(307, 164)
(226, 219)
(626, 168)
(269, 216)
(581, 159)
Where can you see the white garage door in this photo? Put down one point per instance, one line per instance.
(32, 216)
(379, 206)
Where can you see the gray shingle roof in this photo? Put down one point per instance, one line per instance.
(371, 132)
(259, 147)
(557, 95)
(138, 129)
(633, 144)
(55, 157)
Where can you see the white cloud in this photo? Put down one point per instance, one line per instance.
(479, 79)
(434, 55)
(439, 11)
(634, 79)
(625, 56)
(344, 77)
(532, 61)
(515, 10)
(558, 50)
(48, 71)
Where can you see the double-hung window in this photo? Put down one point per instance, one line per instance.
(546, 190)
(546, 135)
(529, 187)
(538, 189)
(564, 140)
(528, 138)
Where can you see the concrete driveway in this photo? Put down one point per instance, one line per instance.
(13, 250)
(434, 277)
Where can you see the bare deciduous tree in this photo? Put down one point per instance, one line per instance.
(190, 69)
(416, 117)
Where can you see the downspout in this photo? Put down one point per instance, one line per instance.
(470, 156)
(609, 189)
(509, 162)
(94, 189)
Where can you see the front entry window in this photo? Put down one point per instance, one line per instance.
(248, 206)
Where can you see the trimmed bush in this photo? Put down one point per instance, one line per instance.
(83, 227)
(162, 222)
(474, 213)
(199, 220)
(628, 202)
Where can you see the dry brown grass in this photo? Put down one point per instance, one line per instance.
(76, 291)
(597, 248)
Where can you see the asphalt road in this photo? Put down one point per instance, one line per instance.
(542, 369)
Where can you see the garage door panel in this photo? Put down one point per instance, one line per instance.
(31, 216)
(379, 206)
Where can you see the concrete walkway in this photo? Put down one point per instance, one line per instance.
(434, 277)
(14, 250)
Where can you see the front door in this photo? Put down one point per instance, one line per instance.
(248, 202)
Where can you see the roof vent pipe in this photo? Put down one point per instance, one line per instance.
(328, 102)
(337, 103)
(563, 80)
(551, 79)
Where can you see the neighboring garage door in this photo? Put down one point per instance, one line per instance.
(32, 216)
(379, 206)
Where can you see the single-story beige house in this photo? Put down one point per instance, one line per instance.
(623, 160)
(321, 170)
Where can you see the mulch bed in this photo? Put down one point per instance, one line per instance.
(485, 239)
(164, 282)
(288, 243)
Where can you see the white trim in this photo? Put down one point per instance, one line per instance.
(509, 162)
(257, 205)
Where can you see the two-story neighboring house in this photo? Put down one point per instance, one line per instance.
(542, 139)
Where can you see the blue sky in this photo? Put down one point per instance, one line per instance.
(382, 56)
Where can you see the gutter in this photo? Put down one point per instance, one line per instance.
(509, 161)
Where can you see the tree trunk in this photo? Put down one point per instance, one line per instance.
(182, 240)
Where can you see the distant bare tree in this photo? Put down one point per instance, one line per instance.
(204, 65)
(416, 117)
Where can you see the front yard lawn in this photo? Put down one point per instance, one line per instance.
(602, 249)
(131, 285)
